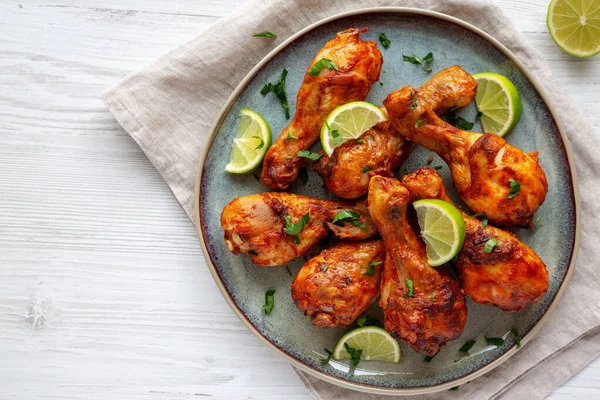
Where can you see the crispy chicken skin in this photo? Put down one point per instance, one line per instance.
(359, 64)
(437, 312)
(511, 277)
(382, 149)
(254, 225)
(482, 165)
(332, 287)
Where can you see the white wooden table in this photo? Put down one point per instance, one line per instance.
(104, 293)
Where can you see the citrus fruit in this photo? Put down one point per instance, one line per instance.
(375, 343)
(250, 144)
(498, 101)
(575, 26)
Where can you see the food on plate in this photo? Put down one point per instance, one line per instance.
(274, 228)
(341, 72)
(338, 285)
(442, 230)
(489, 174)
(250, 144)
(367, 343)
(574, 27)
(380, 150)
(498, 101)
(422, 305)
(349, 121)
(495, 268)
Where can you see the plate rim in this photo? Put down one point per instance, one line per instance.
(362, 387)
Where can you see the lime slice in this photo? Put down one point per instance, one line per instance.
(250, 144)
(442, 230)
(575, 26)
(350, 121)
(375, 343)
(499, 102)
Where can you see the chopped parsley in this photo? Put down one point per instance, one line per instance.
(458, 121)
(360, 141)
(361, 320)
(338, 139)
(289, 157)
(290, 137)
(325, 360)
(278, 90)
(489, 245)
(366, 169)
(411, 288)
(269, 301)
(262, 142)
(453, 389)
(517, 336)
(350, 216)
(414, 103)
(466, 347)
(319, 65)
(309, 155)
(385, 42)
(419, 122)
(433, 296)
(266, 34)
(294, 229)
(428, 359)
(371, 269)
(482, 216)
(437, 167)
(515, 187)
(324, 268)
(425, 61)
(494, 341)
(354, 354)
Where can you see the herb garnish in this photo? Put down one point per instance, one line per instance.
(339, 139)
(411, 289)
(466, 347)
(428, 359)
(489, 245)
(482, 216)
(289, 157)
(262, 142)
(296, 228)
(414, 103)
(517, 336)
(458, 121)
(266, 34)
(494, 341)
(354, 354)
(371, 270)
(309, 155)
(361, 320)
(385, 42)
(350, 216)
(360, 141)
(269, 301)
(278, 90)
(290, 137)
(319, 65)
(437, 167)
(419, 122)
(325, 360)
(515, 187)
(452, 389)
(428, 59)
(366, 169)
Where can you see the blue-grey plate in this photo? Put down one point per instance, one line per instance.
(287, 330)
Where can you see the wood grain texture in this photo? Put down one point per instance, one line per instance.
(104, 293)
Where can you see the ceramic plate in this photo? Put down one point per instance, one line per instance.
(291, 333)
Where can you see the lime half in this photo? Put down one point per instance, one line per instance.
(442, 229)
(498, 101)
(375, 343)
(250, 144)
(349, 121)
(575, 26)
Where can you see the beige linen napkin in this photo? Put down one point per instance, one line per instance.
(169, 106)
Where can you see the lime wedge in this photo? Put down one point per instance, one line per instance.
(250, 144)
(375, 343)
(499, 102)
(442, 230)
(349, 121)
(575, 26)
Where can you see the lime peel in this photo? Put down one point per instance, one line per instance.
(376, 344)
(250, 144)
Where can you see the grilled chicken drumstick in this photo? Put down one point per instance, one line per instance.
(510, 277)
(256, 225)
(380, 150)
(358, 66)
(337, 285)
(487, 171)
(422, 305)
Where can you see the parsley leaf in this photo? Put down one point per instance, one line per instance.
(466, 347)
(371, 269)
(517, 336)
(295, 229)
(290, 137)
(289, 157)
(339, 139)
(354, 354)
(385, 42)
(361, 320)
(438, 167)
(411, 289)
(266, 34)
(453, 389)
(309, 155)
(324, 268)
(414, 103)
(278, 90)
(428, 59)
(482, 216)
(419, 122)
(360, 141)
(494, 341)
(319, 65)
(325, 360)
(412, 59)
(458, 121)
(269, 301)
(489, 245)
(515, 187)
(350, 216)
(428, 359)
(366, 169)
(262, 142)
